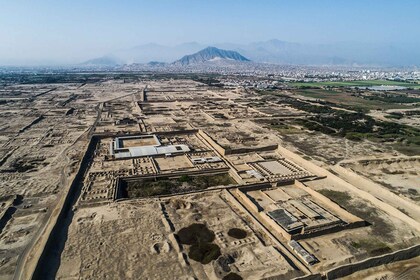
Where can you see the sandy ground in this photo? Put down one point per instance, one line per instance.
(37, 159)
(400, 175)
(253, 259)
(385, 229)
(117, 242)
(407, 120)
(128, 240)
(325, 150)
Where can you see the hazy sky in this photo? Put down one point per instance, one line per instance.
(70, 31)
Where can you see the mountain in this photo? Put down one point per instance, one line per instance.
(275, 52)
(210, 54)
(102, 61)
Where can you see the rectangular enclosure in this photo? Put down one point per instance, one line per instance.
(171, 184)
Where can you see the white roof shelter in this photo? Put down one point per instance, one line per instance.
(119, 151)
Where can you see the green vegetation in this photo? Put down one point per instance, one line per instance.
(185, 178)
(200, 238)
(358, 126)
(373, 246)
(152, 188)
(357, 101)
(380, 227)
(394, 115)
(166, 185)
(354, 126)
(341, 123)
(237, 233)
(399, 115)
(298, 104)
(340, 198)
(392, 98)
(412, 113)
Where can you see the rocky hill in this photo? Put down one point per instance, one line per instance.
(210, 54)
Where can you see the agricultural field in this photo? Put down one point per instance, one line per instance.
(361, 101)
(368, 83)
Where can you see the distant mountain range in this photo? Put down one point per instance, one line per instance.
(102, 61)
(210, 54)
(206, 55)
(273, 51)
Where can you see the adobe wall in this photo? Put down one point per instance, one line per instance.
(352, 220)
(250, 150)
(399, 255)
(62, 214)
(247, 202)
(255, 187)
(239, 203)
(211, 142)
(348, 217)
(119, 134)
(384, 194)
(224, 151)
(177, 132)
(235, 176)
(330, 230)
(309, 277)
(275, 226)
(361, 193)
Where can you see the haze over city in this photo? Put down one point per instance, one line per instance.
(71, 32)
